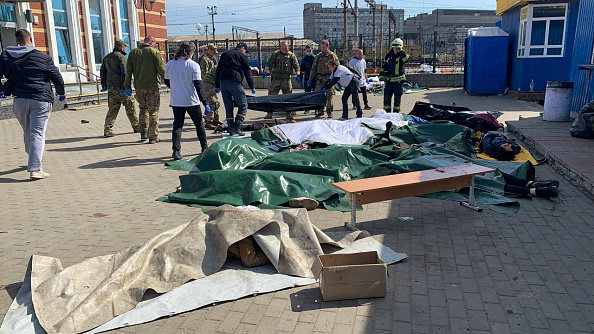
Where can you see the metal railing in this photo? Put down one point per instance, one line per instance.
(91, 77)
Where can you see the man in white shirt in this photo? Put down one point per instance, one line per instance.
(342, 76)
(183, 77)
(360, 65)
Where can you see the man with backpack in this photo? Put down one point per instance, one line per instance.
(29, 73)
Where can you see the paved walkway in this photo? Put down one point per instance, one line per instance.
(466, 272)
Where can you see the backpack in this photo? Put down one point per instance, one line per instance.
(12, 72)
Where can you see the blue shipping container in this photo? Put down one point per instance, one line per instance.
(486, 61)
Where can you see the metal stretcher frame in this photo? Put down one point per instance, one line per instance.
(396, 186)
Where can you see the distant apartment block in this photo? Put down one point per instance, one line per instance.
(447, 21)
(320, 22)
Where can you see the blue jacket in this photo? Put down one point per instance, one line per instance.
(35, 74)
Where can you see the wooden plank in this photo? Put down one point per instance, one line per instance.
(409, 190)
(412, 178)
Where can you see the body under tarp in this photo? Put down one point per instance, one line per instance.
(437, 112)
(288, 102)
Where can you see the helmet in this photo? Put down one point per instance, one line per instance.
(396, 42)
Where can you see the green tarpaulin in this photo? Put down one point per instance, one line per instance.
(245, 172)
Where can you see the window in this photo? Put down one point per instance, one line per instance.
(62, 35)
(542, 31)
(96, 30)
(7, 12)
(125, 23)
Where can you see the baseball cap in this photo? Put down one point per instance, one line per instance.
(119, 43)
(211, 46)
(243, 45)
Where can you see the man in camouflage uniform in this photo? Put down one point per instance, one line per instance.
(207, 63)
(146, 65)
(320, 73)
(284, 64)
(113, 73)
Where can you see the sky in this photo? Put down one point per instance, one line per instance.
(272, 16)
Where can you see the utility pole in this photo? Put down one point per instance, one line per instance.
(206, 27)
(344, 32)
(371, 3)
(356, 27)
(381, 41)
(212, 11)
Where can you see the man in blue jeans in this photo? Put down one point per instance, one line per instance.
(29, 73)
(233, 67)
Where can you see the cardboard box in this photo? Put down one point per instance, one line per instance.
(351, 276)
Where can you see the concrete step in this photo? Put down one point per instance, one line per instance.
(87, 107)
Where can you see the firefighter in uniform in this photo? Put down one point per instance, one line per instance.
(284, 63)
(207, 62)
(393, 75)
(320, 73)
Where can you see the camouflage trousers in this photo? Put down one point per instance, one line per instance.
(213, 102)
(148, 103)
(320, 81)
(115, 101)
(277, 85)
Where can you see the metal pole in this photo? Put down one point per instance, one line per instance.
(434, 51)
(356, 24)
(361, 41)
(381, 41)
(259, 46)
(292, 44)
(374, 42)
(344, 32)
(214, 39)
(227, 44)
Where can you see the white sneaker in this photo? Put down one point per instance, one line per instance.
(39, 175)
(304, 202)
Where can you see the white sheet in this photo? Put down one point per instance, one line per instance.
(350, 132)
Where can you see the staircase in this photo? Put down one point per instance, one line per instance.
(86, 92)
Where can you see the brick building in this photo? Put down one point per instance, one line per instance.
(78, 33)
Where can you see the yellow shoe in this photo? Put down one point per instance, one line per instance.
(304, 202)
(39, 175)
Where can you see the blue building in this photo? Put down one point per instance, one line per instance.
(548, 40)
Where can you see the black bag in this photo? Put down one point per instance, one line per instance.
(355, 71)
(583, 126)
(12, 73)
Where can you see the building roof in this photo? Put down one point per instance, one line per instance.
(222, 37)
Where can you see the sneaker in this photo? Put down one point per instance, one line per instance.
(547, 192)
(319, 115)
(367, 108)
(268, 116)
(343, 119)
(542, 184)
(108, 134)
(143, 136)
(304, 202)
(39, 175)
(154, 141)
(177, 155)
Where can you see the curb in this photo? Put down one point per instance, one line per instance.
(575, 177)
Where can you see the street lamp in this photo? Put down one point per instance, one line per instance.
(145, 7)
(212, 11)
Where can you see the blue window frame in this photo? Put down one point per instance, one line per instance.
(62, 36)
(7, 12)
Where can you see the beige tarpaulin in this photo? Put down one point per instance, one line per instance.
(90, 293)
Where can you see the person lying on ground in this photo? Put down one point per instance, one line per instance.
(248, 251)
(498, 146)
(518, 186)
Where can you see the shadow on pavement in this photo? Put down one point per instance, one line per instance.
(70, 140)
(102, 146)
(126, 162)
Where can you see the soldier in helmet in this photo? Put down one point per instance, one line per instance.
(113, 73)
(393, 75)
(207, 63)
(320, 73)
(284, 64)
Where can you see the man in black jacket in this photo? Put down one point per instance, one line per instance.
(233, 66)
(29, 73)
(306, 65)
